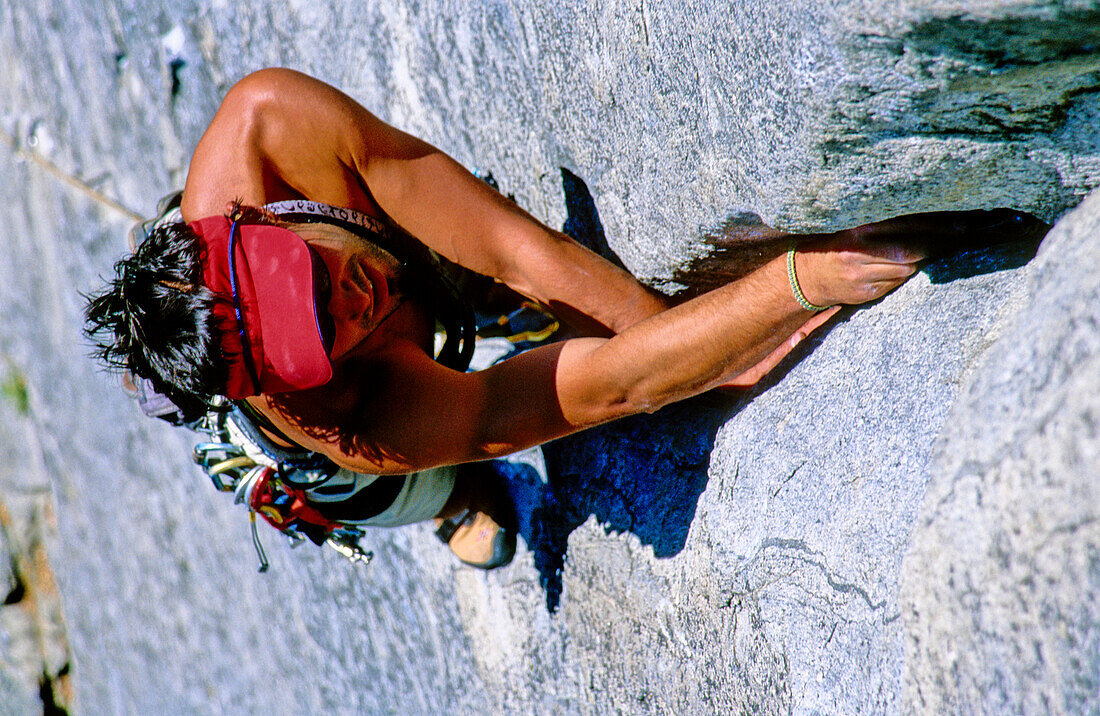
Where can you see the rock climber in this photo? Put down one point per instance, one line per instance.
(321, 250)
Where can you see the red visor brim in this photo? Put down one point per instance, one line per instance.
(274, 276)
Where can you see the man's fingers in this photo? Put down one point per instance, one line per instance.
(888, 272)
(873, 282)
(891, 254)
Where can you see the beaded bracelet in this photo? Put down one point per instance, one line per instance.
(796, 289)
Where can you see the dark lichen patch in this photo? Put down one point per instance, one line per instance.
(1005, 78)
(17, 586)
(35, 605)
(1018, 99)
(54, 691)
(175, 68)
(1008, 41)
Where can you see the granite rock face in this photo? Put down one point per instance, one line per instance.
(1000, 587)
(901, 519)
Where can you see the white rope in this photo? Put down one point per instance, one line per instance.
(68, 179)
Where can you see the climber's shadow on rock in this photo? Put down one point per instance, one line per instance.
(644, 474)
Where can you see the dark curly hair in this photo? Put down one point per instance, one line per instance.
(154, 319)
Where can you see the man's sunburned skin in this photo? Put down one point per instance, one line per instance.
(362, 284)
(741, 246)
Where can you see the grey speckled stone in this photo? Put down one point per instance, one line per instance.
(1001, 586)
(720, 556)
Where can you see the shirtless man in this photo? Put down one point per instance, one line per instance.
(359, 383)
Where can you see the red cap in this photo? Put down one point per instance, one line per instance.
(274, 293)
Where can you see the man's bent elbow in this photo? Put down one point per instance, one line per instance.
(615, 403)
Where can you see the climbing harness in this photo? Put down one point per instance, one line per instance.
(270, 482)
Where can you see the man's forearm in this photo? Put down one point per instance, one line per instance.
(680, 352)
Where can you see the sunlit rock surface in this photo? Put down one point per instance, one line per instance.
(902, 519)
(1000, 587)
